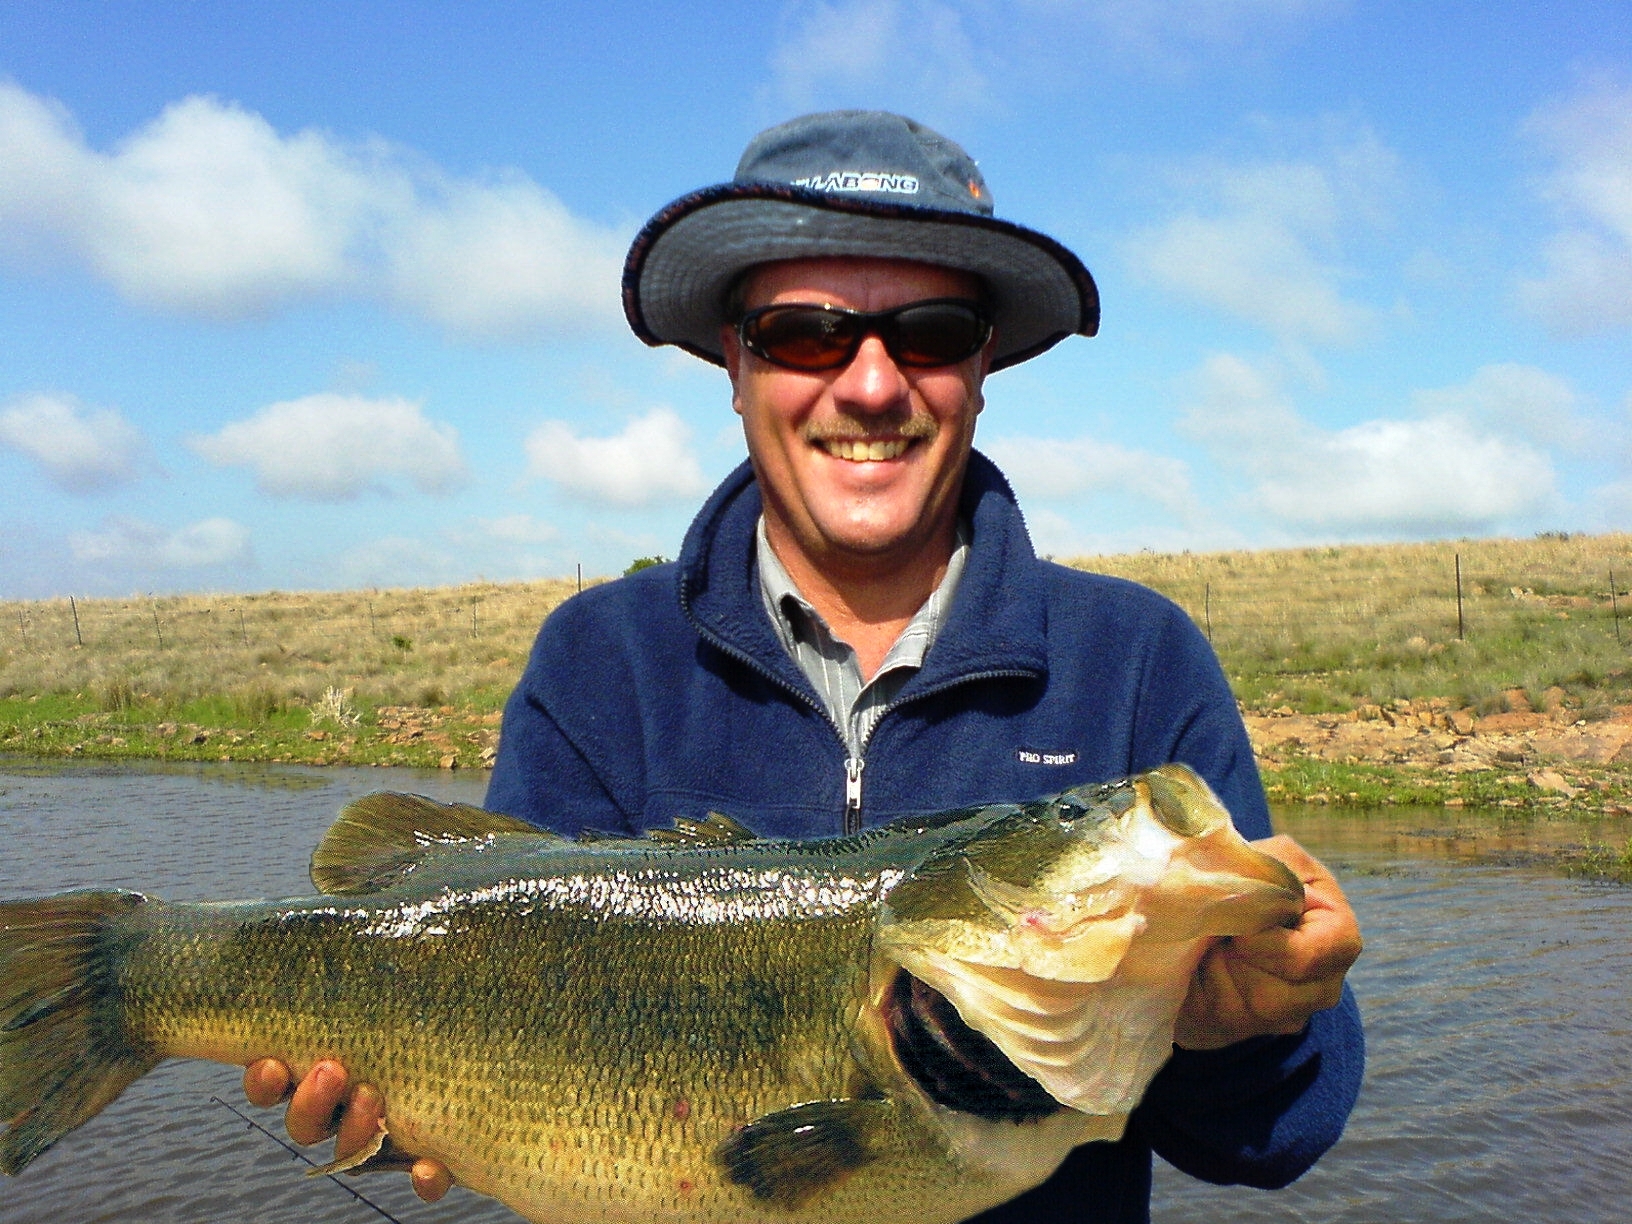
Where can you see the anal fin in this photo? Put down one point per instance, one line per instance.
(378, 1155)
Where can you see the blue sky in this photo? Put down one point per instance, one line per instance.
(305, 296)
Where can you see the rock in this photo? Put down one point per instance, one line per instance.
(1551, 780)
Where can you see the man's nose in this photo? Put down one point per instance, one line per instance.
(872, 382)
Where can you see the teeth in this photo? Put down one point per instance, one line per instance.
(872, 452)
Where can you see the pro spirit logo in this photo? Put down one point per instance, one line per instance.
(1027, 756)
(861, 180)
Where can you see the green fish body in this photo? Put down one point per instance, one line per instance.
(910, 1024)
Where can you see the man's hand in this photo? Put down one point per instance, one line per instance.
(324, 1104)
(1272, 982)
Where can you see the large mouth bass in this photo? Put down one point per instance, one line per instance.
(910, 1024)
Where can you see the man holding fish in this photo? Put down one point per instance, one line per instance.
(857, 629)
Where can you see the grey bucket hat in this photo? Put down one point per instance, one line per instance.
(850, 183)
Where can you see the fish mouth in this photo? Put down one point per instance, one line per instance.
(957, 1066)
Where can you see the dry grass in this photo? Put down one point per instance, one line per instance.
(419, 675)
(1333, 628)
(424, 647)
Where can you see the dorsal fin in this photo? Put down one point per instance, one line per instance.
(376, 839)
(717, 829)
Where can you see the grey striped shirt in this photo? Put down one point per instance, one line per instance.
(853, 704)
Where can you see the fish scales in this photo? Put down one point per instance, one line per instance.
(621, 983)
(705, 1030)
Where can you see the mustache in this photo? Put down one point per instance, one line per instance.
(918, 425)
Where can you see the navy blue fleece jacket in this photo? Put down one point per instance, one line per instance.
(668, 694)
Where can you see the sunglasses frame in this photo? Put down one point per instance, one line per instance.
(881, 323)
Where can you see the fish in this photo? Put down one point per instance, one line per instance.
(704, 1026)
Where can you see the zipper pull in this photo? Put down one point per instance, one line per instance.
(852, 793)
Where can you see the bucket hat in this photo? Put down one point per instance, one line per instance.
(865, 183)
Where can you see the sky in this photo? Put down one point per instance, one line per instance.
(305, 296)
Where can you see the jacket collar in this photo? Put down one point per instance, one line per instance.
(998, 621)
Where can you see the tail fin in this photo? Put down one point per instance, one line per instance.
(63, 1052)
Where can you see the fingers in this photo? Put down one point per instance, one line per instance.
(431, 1179)
(267, 1082)
(1325, 943)
(314, 1110)
(325, 1104)
(360, 1120)
(1274, 981)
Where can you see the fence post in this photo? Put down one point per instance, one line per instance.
(1459, 633)
(1614, 608)
(79, 641)
(1207, 608)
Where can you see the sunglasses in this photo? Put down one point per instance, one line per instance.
(923, 335)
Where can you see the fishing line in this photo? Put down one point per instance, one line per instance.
(301, 1156)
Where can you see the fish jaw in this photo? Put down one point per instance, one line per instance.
(1076, 968)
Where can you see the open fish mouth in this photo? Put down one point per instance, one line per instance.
(1074, 964)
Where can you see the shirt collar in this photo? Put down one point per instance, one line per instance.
(785, 605)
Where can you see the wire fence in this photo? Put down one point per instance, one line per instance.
(1552, 605)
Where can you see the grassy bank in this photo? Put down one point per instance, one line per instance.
(418, 677)
(401, 677)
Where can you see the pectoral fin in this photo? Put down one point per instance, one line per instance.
(790, 1157)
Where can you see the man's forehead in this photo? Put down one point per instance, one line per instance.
(857, 275)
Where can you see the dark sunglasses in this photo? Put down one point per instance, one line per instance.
(934, 332)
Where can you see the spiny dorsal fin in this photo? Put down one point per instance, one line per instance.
(717, 829)
(377, 838)
(790, 1157)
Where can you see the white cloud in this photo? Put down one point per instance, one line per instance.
(494, 259)
(1587, 282)
(650, 461)
(1074, 470)
(852, 50)
(1518, 400)
(330, 447)
(82, 450)
(126, 543)
(1448, 472)
(1269, 246)
(209, 211)
(516, 529)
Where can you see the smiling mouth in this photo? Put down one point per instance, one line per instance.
(861, 450)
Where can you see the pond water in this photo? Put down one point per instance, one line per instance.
(1497, 998)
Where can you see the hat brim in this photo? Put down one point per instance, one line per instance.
(685, 259)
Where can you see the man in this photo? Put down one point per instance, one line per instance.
(857, 628)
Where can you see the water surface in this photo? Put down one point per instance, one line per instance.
(1497, 998)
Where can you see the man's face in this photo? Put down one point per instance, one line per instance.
(860, 466)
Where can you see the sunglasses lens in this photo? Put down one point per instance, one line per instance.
(937, 334)
(802, 337)
(921, 334)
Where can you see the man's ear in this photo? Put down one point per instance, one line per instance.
(731, 350)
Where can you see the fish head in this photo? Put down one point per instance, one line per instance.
(1066, 931)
